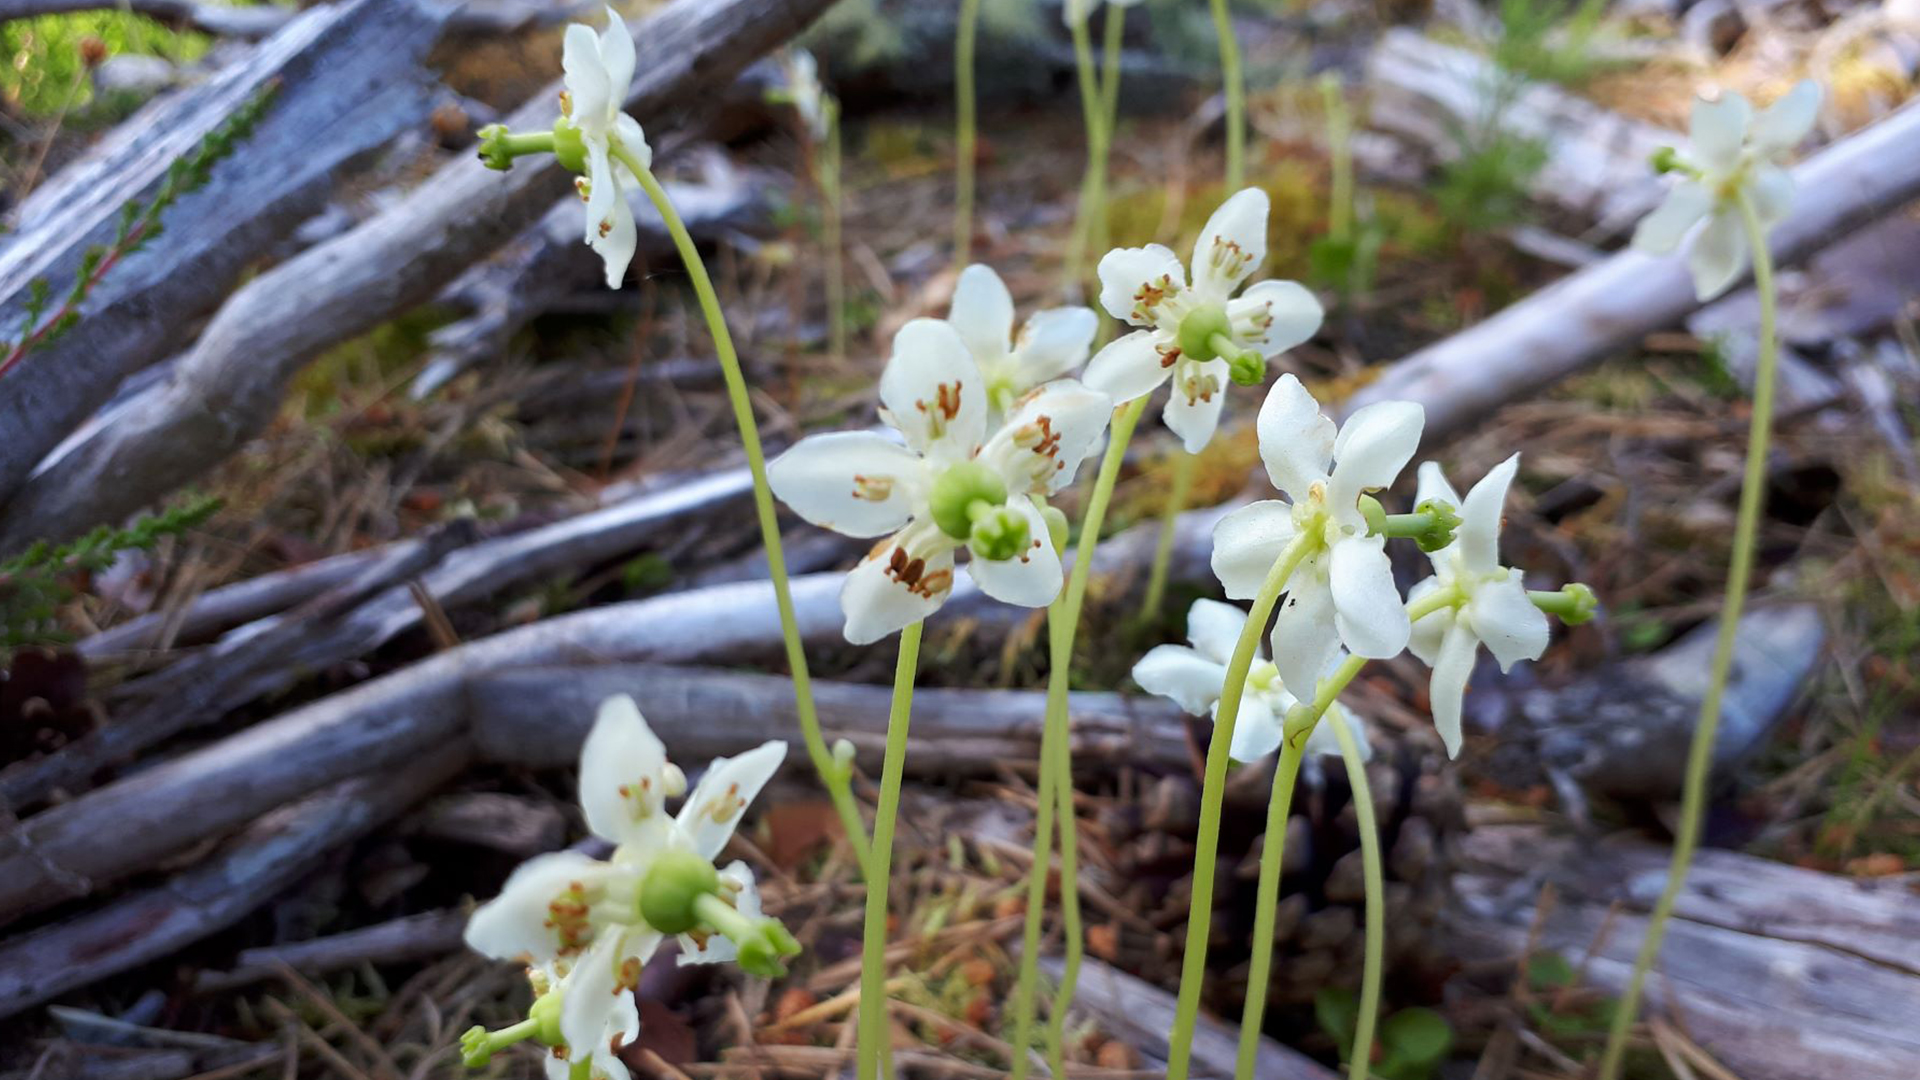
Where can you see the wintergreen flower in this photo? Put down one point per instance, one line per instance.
(598, 72)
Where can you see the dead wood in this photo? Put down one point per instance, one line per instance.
(257, 864)
(1140, 1014)
(230, 384)
(1593, 313)
(415, 937)
(346, 78)
(476, 17)
(1781, 973)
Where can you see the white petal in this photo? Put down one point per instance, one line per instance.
(627, 130)
(1049, 433)
(982, 312)
(1032, 579)
(858, 483)
(882, 596)
(618, 243)
(1771, 189)
(1246, 544)
(1175, 671)
(1054, 342)
(1375, 443)
(1719, 255)
(1453, 665)
(1781, 125)
(623, 774)
(1274, 316)
(1232, 245)
(1296, 439)
(932, 390)
(1505, 619)
(1133, 281)
(1371, 616)
(1129, 367)
(515, 924)
(586, 77)
(1256, 729)
(1662, 230)
(589, 993)
(1304, 638)
(712, 812)
(1718, 131)
(1214, 628)
(1478, 538)
(1194, 405)
(1424, 642)
(616, 52)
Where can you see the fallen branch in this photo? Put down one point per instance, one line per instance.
(229, 386)
(415, 937)
(473, 17)
(1593, 313)
(259, 863)
(1782, 973)
(346, 79)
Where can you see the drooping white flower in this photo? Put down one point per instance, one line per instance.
(598, 72)
(583, 915)
(1194, 678)
(803, 90)
(1050, 346)
(953, 484)
(1179, 318)
(1490, 605)
(1731, 153)
(1343, 592)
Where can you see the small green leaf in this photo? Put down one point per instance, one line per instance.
(1549, 971)
(1337, 1011)
(1417, 1036)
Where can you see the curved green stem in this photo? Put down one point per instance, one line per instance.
(1266, 909)
(1376, 917)
(1193, 965)
(963, 107)
(873, 946)
(1177, 492)
(830, 236)
(1092, 181)
(839, 785)
(1753, 491)
(1056, 760)
(1236, 94)
(1340, 151)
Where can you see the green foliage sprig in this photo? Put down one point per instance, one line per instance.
(139, 225)
(34, 583)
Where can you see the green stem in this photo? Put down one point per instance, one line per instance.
(1340, 151)
(1236, 95)
(1753, 491)
(963, 105)
(830, 237)
(1113, 27)
(1056, 759)
(1193, 965)
(1376, 937)
(1177, 492)
(873, 948)
(839, 786)
(1091, 101)
(1266, 909)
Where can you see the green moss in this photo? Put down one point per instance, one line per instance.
(43, 54)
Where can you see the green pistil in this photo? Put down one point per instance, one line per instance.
(1431, 525)
(569, 149)
(1206, 333)
(498, 146)
(998, 532)
(951, 502)
(1572, 604)
(670, 896)
(763, 942)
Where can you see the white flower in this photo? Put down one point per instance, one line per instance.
(803, 91)
(952, 484)
(584, 914)
(1490, 605)
(598, 71)
(1731, 153)
(1343, 591)
(618, 1025)
(1147, 287)
(1194, 678)
(1051, 345)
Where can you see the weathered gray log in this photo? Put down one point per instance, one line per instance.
(1442, 97)
(260, 862)
(223, 20)
(230, 385)
(1588, 315)
(540, 716)
(414, 937)
(1781, 973)
(1141, 1014)
(347, 78)
(56, 854)
(268, 656)
(1622, 731)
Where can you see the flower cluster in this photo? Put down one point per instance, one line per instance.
(1733, 156)
(988, 434)
(587, 926)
